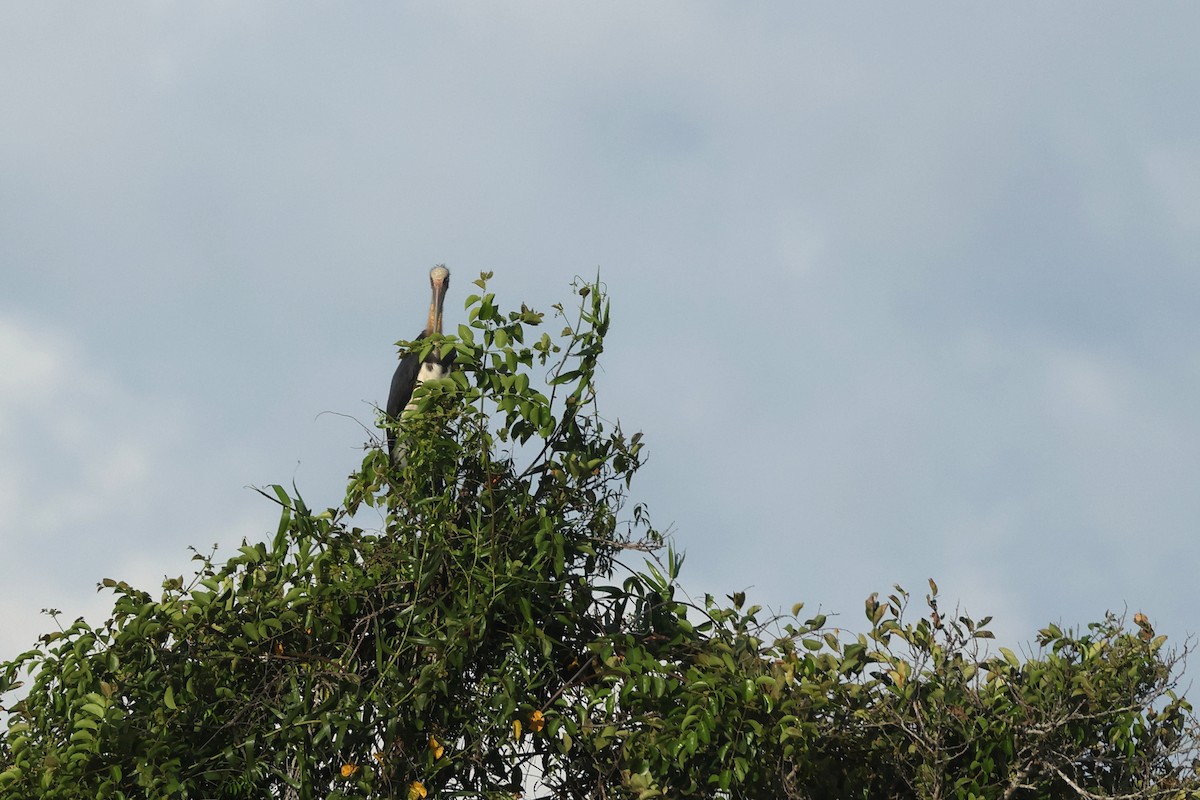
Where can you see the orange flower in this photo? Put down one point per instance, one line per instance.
(536, 722)
(436, 747)
(349, 769)
(516, 729)
(416, 791)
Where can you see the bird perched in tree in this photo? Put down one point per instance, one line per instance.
(412, 371)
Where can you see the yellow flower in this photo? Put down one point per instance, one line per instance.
(516, 729)
(349, 769)
(537, 722)
(416, 791)
(436, 747)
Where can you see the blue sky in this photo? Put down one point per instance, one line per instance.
(897, 293)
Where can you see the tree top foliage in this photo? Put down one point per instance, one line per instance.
(490, 618)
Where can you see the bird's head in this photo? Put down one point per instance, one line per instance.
(439, 280)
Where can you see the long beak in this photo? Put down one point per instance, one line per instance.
(440, 285)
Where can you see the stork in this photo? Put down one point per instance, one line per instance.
(412, 371)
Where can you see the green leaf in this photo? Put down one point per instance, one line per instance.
(95, 709)
(1010, 657)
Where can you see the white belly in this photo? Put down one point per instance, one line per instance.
(430, 371)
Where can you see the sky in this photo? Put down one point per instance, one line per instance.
(898, 292)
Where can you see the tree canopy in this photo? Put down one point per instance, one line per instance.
(492, 617)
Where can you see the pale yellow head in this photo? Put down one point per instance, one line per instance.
(439, 281)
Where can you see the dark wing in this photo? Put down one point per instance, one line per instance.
(403, 381)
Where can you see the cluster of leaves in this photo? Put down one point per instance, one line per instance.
(485, 639)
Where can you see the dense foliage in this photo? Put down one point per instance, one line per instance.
(505, 624)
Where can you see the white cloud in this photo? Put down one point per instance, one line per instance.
(99, 479)
(78, 446)
(1174, 175)
(83, 475)
(1084, 389)
(33, 367)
